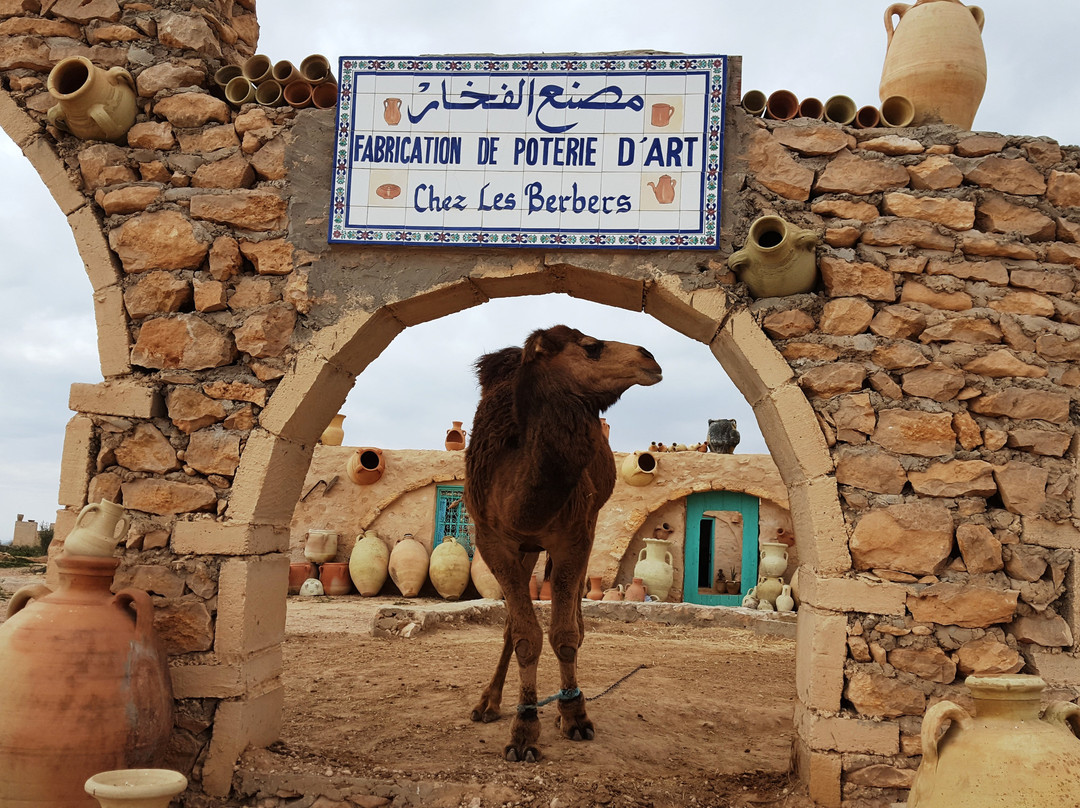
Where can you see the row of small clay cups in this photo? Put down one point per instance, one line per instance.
(269, 83)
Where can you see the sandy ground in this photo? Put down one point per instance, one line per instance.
(698, 716)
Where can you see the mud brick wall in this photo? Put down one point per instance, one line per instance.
(919, 405)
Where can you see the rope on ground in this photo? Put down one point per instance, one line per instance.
(570, 695)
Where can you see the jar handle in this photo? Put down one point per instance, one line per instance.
(937, 715)
(121, 529)
(140, 602)
(1065, 714)
(24, 595)
(641, 555)
(898, 9)
(93, 507)
(668, 560)
(980, 18)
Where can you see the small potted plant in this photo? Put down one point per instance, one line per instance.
(733, 585)
(720, 585)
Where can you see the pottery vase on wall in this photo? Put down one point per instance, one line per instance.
(369, 564)
(455, 437)
(778, 259)
(136, 788)
(638, 468)
(408, 566)
(334, 434)
(92, 103)
(613, 594)
(321, 546)
(654, 567)
(86, 685)
(483, 579)
(1004, 754)
(934, 57)
(448, 568)
(636, 592)
(98, 528)
(334, 576)
(366, 465)
(596, 591)
(784, 601)
(769, 588)
(774, 559)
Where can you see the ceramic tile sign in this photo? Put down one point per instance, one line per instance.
(620, 152)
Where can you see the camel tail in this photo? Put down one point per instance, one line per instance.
(495, 367)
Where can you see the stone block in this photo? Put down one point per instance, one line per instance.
(227, 681)
(116, 397)
(269, 479)
(795, 440)
(826, 733)
(821, 772)
(206, 537)
(514, 278)
(306, 400)
(114, 341)
(851, 594)
(749, 357)
(676, 309)
(77, 462)
(251, 605)
(101, 264)
(54, 174)
(357, 339)
(816, 514)
(251, 721)
(19, 126)
(820, 650)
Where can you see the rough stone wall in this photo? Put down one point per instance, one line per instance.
(934, 508)
(940, 360)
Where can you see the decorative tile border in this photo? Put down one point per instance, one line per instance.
(575, 152)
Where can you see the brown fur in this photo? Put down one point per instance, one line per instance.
(537, 471)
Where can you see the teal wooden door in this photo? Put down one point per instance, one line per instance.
(721, 533)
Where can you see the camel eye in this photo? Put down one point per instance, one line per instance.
(594, 349)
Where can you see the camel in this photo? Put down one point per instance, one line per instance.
(537, 471)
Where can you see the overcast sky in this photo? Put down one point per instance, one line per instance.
(409, 396)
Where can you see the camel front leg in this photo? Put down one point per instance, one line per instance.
(566, 634)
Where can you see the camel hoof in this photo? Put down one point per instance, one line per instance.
(485, 716)
(530, 754)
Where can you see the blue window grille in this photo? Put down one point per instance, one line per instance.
(451, 518)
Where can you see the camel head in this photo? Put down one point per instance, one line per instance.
(596, 371)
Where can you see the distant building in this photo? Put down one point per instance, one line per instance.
(26, 533)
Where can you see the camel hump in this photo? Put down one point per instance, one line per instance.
(495, 367)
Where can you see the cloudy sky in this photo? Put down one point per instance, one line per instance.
(410, 395)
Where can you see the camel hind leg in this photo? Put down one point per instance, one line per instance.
(487, 709)
(566, 634)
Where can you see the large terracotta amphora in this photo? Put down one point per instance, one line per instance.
(334, 433)
(369, 564)
(935, 59)
(654, 567)
(409, 566)
(86, 686)
(92, 103)
(778, 259)
(449, 568)
(1005, 754)
(98, 528)
(455, 437)
(483, 578)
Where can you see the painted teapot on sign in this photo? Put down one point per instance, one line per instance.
(664, 189)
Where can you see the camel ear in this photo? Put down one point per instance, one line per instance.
(539, 343)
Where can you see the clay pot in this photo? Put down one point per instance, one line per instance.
(614, 594)
(779, 259)
(321, 546)
(840, 109)
(312, 587)
(408, 566)
(297, 94)
(98, 528)
(732, 587)
(638, 468)
(366, 466)
(654, 567)
(769, 588)
(325, 95)
(448, 568)
(897, 111)
(285, 73)
(934, 57)
(867, 117)
(257, 68)
(315, 69)
(773, 559)
(455, 437)
(1004, 754)
(636, 592)
(811, 108)
(268, 93)
(136, 788)
(92, 103)
(595, 592)
(298, 573)
(334, 576)
(240, 91)
(782, 105)
(483, 579)
(784, 601)
(369, 564)
(753, 101)
(86, 686)
(223, 75)
(334, 434)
